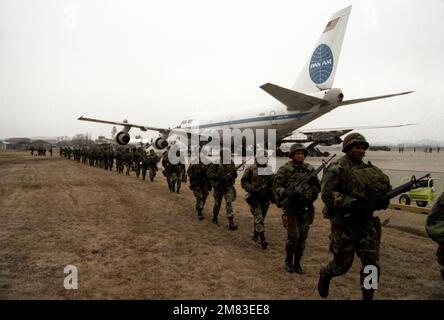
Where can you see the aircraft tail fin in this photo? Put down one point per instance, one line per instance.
(319, 71)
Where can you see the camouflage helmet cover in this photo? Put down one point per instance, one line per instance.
(298, 147)
(354, 138)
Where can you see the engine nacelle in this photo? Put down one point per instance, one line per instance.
(160, 143)
(334, 96)
(123, 138)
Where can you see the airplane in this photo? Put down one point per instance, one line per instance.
(311, 97)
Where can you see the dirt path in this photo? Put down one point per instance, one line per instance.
(133, 239)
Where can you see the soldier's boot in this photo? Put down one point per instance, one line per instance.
(289, 257)
(200, 214)
(173, 186)
(297, 264)
(297, 261)
(254, 237)
(367, 294)
(178, 188)
(264, 243)
(231, 224)
(288, 264)
(324, 283)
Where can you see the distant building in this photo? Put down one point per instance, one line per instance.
(18, 143)
(3, 145)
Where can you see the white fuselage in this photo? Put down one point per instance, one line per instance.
(275, 116)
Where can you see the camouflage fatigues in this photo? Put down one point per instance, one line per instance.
(152, 161)
(199, 184)
(136, 159)
(258, 200)
(215, 172)
(435, 229)
(343, 181)
(297, 220)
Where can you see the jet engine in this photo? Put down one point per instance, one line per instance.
(160, 143)
(334, 96)
(123, 138)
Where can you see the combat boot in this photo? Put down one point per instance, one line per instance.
(297, 266)
(200, 214)
(264, 243)
(254, 237)
(231, 225)
(367, 294)
(324, 283)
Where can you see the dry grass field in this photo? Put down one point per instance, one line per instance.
(133, 239)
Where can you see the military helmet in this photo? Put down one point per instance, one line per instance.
(298, 147)
(151, 151)
(354, 138)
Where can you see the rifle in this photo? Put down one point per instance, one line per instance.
(222, 182)
(379, 201)
(301, 186)
(259, 190)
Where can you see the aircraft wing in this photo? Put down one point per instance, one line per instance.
(125, 124)
(292, 99)
(346, 102)
(332, 135)
(307, 131)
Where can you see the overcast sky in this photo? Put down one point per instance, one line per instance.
(154, 62)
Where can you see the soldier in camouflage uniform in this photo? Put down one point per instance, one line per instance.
(152, 161)
(167, 168)
(120, 160)
(137, 158)
(177, 171)
(259, 187)
(297, 218)
(127, 160)
(200, 185)
(222, 177)
(435, 229)
(347, 182)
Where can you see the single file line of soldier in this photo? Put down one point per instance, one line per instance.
(351, 191)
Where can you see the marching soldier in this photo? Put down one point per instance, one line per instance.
(176, 173)
(347, 183)
(200, 185)
(152, 161)
(128, 161)
(259, 188)
(167, 168)
(137, 158)
(299, 214)
(223, 177)
(435, 229)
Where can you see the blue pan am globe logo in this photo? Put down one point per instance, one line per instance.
(321, 64)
